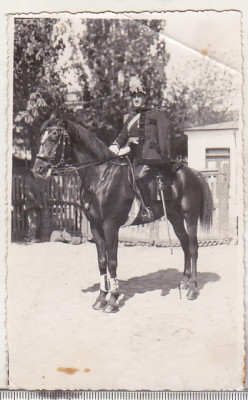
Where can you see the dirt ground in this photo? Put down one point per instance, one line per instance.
(156, 341)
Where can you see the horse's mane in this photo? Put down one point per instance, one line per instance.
(83, 136)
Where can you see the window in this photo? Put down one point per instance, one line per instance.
(219, 152)
(216, 158)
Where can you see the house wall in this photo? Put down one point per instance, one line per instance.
(199, 141)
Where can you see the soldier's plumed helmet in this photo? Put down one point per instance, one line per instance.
(136, 86)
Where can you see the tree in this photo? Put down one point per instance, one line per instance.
(101, 57)
(38, 89)
(113, 50)
(201, 93)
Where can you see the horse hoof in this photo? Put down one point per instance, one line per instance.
(99, 304)
(192, 294)
(184, 285)
(110, 308)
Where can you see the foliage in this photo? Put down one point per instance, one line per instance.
(104, 56)
(114, 50)
(101, 57)
(202, 93)
(37, 87)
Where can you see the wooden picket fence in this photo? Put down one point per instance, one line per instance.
(18, 217)
(61, 205)
(62, 211)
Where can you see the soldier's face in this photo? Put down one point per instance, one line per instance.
(138, 100)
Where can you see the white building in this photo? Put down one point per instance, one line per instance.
(216, 148)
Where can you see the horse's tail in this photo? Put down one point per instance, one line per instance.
(207, 206)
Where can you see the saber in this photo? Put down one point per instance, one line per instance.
(165, 211)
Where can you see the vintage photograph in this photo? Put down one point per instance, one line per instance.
(125, 182)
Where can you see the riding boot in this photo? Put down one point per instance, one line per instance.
(147, 213)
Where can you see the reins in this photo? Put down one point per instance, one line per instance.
(78, 166)
(60, 168)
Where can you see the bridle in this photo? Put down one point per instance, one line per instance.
(60, 168)
(63, 140)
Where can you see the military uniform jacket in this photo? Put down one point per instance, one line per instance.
(149, 129)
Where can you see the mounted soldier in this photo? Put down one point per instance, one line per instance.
(145, 131)
(108, 184)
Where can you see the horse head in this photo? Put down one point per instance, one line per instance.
(84, 147)
(52, 150)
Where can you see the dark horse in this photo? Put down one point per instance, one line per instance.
(108, 196)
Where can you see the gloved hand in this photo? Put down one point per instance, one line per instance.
(124, 150)
(114, 148)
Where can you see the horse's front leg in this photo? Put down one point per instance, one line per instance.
(111, 235)
(99, 239)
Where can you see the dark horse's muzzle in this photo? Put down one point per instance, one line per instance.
(42, 167)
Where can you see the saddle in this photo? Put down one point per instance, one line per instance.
(156, 182)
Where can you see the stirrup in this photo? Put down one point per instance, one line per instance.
(147, 215)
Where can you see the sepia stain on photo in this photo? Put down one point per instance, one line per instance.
(125, 252)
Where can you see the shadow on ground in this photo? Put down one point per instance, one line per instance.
(163, 280)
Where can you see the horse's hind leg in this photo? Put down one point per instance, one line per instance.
(191, 222)
(99, 239)
(176, 219)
